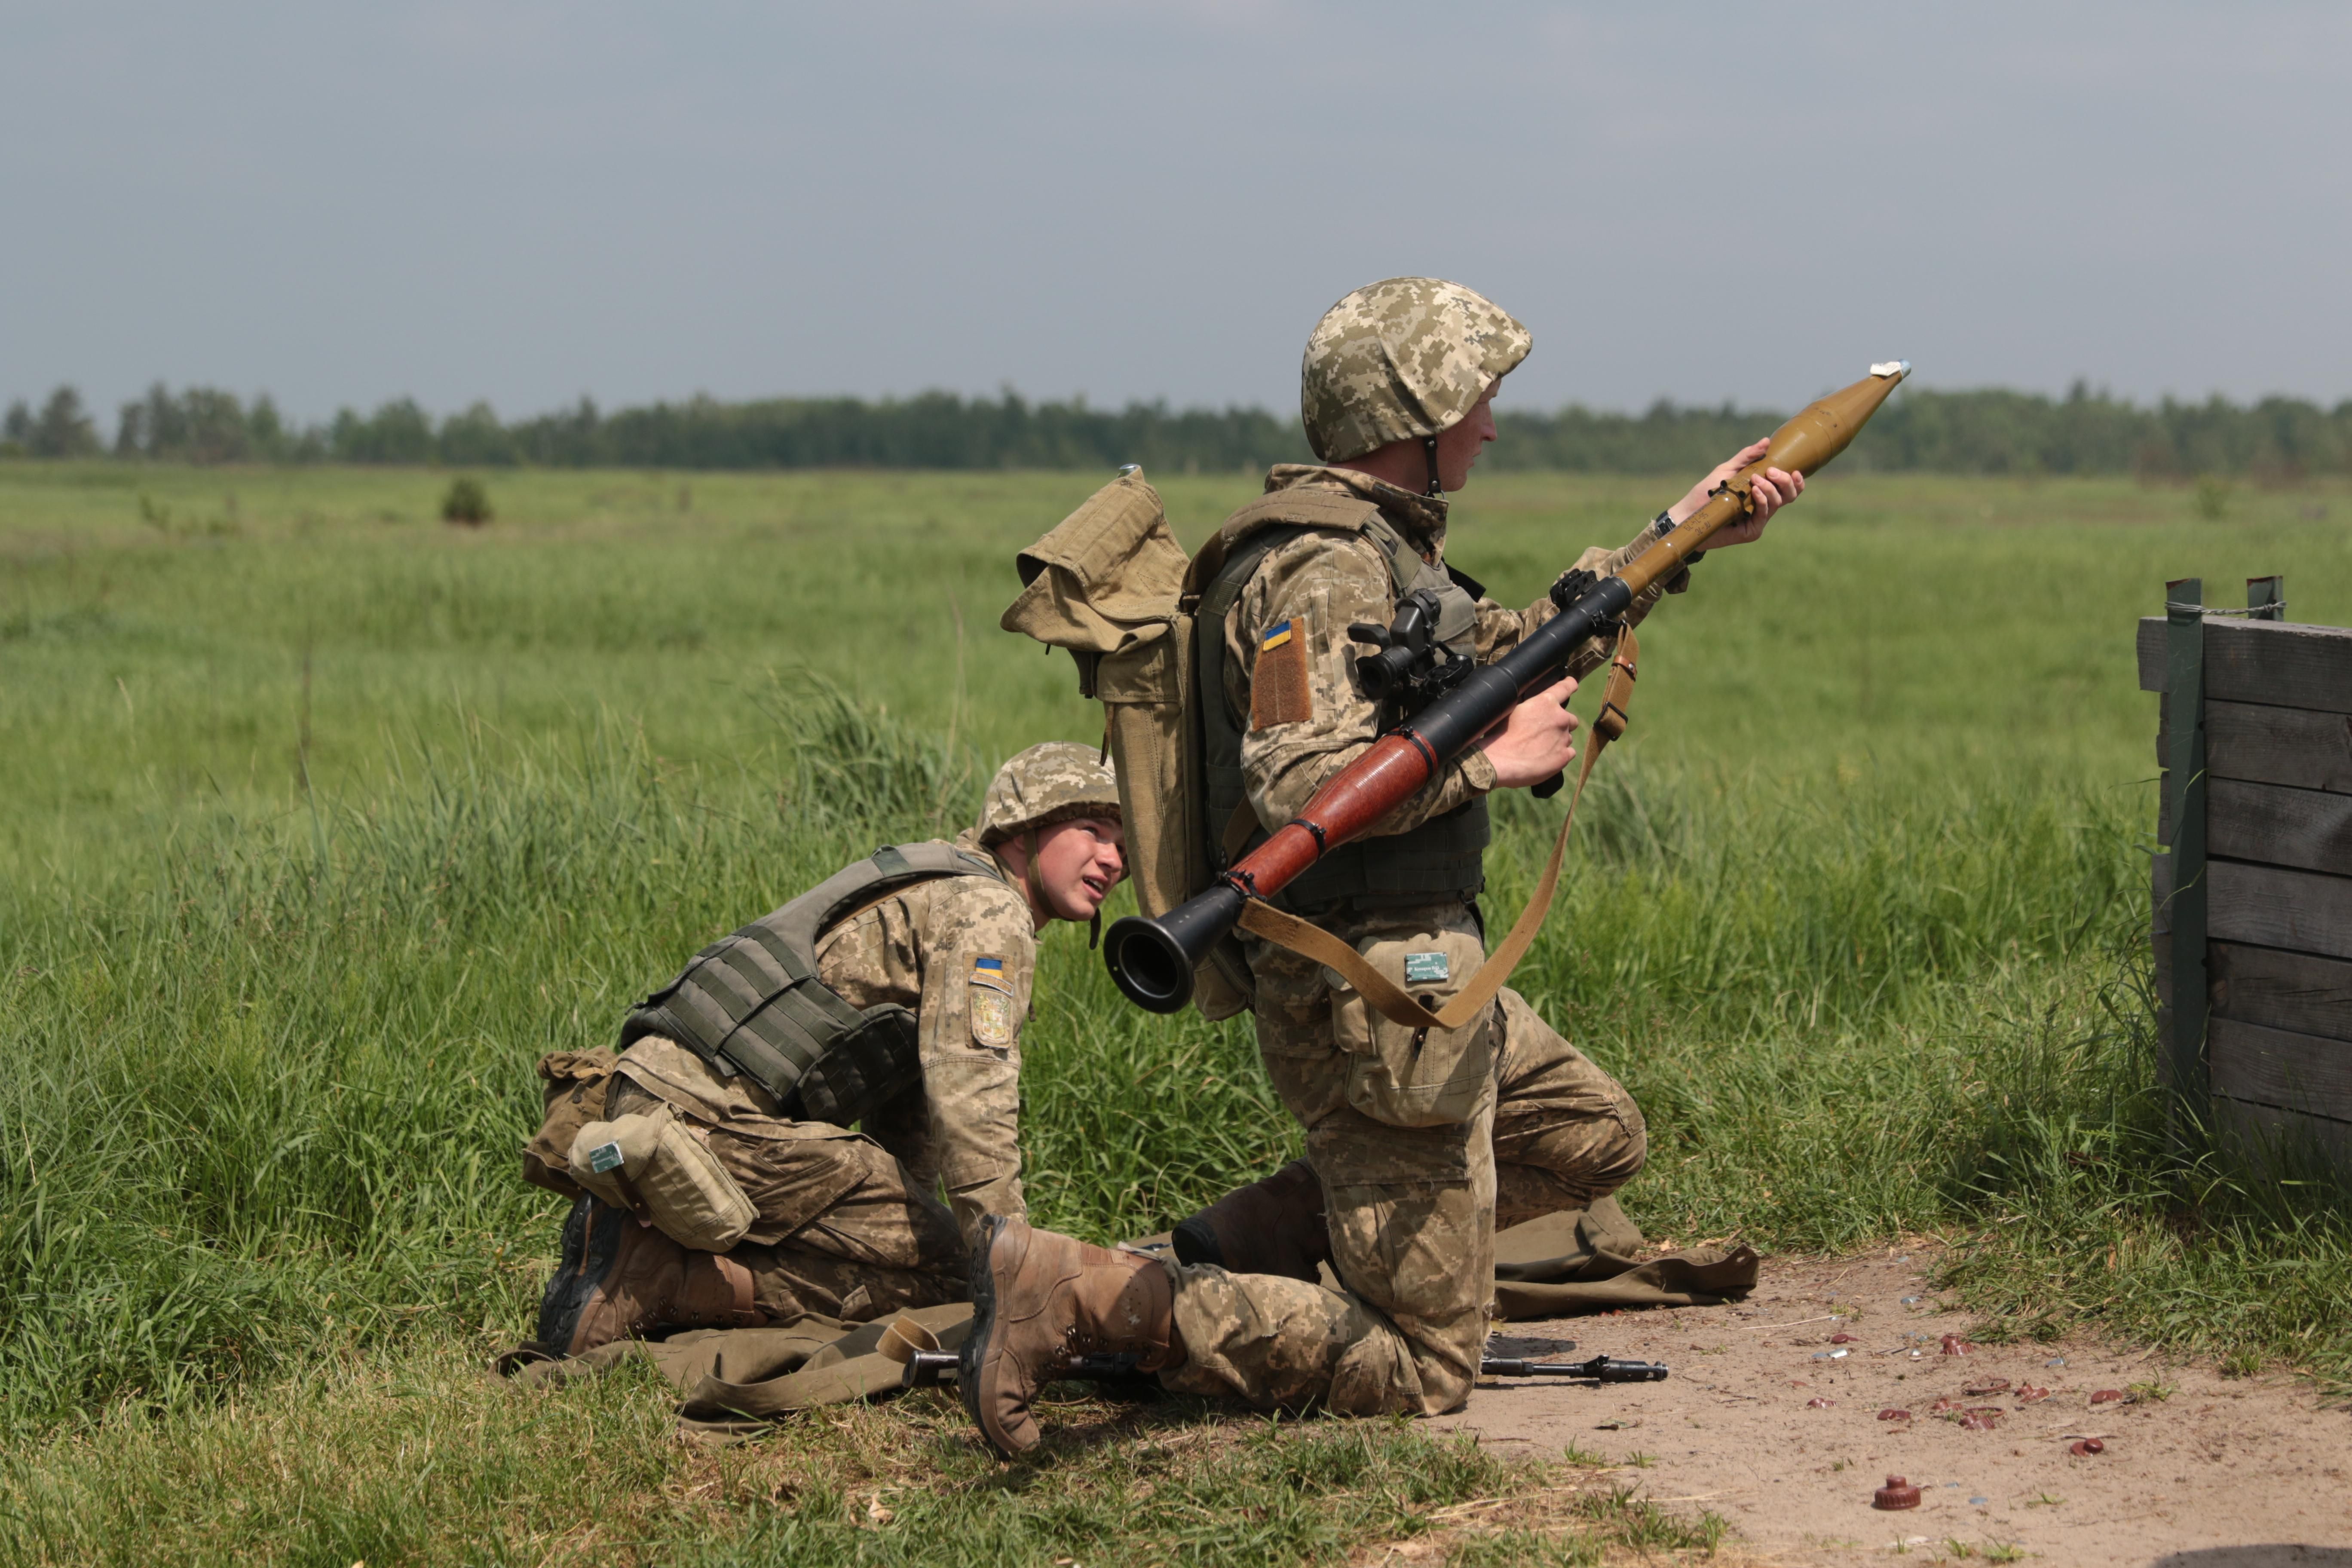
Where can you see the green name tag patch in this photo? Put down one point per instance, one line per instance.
(605, 1157)
(1424, 969)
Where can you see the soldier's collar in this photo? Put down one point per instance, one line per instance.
(1421, 518)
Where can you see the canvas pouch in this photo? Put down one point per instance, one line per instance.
(1406, 1077)
(653, 1164)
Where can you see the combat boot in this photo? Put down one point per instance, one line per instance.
(1037, 1300)
(1272, 1227)
(622, 1279)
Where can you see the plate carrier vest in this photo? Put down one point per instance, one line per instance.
(1441, 859)
(751, 1002)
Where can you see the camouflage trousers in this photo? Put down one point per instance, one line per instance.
(1532, 1127)
(844, 1229)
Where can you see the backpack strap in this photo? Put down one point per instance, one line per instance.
(1391, 1000)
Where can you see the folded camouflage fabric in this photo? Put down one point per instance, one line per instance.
(1583, 1260)
(735, 1381)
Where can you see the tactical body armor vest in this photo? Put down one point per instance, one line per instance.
(1442, 858)
(751, 1002)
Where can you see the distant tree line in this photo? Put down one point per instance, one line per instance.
(1988, 431)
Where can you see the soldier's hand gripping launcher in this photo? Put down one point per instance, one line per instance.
(1152, 957)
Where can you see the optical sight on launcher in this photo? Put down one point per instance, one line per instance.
(1412, 669)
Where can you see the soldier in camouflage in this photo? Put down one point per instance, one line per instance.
(847, 1224)
(1403, 1185)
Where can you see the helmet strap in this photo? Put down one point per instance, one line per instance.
(1429, 451)
(1094, 932)
(1029, 874)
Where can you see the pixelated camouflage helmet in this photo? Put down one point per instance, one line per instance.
(1045, 784)
(1401, 360)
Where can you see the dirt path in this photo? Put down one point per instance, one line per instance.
(1772, 1424)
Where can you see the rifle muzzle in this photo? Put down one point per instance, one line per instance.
(1152, 956)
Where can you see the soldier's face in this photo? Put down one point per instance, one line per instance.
(1459, 445)
(1078, 863)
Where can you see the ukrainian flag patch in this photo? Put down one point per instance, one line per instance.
(995, 1014)
(1273, 637)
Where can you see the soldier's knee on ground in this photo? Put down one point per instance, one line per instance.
(1376, 1376)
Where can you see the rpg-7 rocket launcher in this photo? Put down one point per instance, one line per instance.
(1152, 957)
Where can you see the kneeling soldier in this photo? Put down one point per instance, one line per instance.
(715, 1176)
(1418, 1143)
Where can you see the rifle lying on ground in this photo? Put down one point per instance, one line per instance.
(1153, 958)
(925, 1368)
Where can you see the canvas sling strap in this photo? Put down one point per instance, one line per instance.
(1389, 999)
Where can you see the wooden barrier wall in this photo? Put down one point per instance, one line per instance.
(2275, 896)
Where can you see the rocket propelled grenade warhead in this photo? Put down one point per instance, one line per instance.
(1153, 958)
(1819, 432)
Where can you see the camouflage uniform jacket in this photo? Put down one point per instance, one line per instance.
(1328, 580)
(961, 952)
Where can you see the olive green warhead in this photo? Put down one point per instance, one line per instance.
(1818, 432)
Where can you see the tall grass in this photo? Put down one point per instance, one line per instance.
(314, 833)
(268, 1101)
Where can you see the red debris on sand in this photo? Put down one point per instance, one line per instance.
(1981, 1420)
(1896, 1493)
(1819, 1404)
(1990, 1385)
(2029, 1394)
(1841, 1339)
(1895, 1416)
(2086, 1448)
(1955, 1345)
(1943, 1405)
(2106, 1397)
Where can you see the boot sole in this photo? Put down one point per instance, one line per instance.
(592, 1236)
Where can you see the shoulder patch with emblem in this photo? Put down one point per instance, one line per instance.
(1281, 691)
(995, 1012)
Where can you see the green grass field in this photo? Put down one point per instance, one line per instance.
(321, 820)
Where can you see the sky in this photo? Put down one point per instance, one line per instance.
(527, 203)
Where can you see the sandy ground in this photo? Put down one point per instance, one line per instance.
(1771, 1423)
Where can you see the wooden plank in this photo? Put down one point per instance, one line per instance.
(2306, 828)
(2264, 744)
(2283, 663)
(2273, 1067)
(2298, 751)
(2283, 1141)
(2290, 991)
(2299, 991)
(2305, 911)
(2267, 906)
